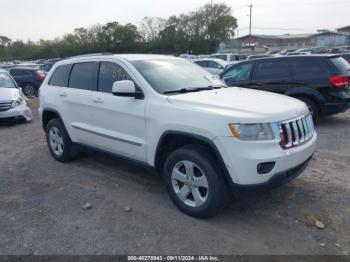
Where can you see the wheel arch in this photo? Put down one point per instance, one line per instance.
(172, 140)
(47, 115)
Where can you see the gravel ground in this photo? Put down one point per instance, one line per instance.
(41, 204)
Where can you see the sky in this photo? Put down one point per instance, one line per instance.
(48, 19)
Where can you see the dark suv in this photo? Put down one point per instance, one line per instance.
(321, 81)
(30, 79)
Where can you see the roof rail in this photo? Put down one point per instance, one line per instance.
(86, 55)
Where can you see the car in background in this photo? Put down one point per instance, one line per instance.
(272, 52)
(298, 53)
(230, 58)
(13, 105)
(212, 65)
(284, 52)
(251, 57)
(346, 56)
(321, 81)
(28, 78)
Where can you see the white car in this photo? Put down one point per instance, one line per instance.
(206, 140)
(13, 105)
(212, 65)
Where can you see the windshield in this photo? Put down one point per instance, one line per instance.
(6, 81)
(166, 75)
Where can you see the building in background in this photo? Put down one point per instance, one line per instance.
(345, 29)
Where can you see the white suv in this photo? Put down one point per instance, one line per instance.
(207, 140)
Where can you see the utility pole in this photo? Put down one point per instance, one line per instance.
(250, 24)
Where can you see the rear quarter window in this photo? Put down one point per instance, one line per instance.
(60, 76)
(341, 64)
(272, 70)
(316, 70)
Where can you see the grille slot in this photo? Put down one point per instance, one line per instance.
(5, 105)
(298, 131)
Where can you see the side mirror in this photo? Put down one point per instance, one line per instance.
(126, 88)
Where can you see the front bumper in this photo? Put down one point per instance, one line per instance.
(22, 111)
(242, 158)
(277, 180)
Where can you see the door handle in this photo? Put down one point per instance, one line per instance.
(98, 100)
(63, 94)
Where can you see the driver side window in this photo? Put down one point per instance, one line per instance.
(238, 73)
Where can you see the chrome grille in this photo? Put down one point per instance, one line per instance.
(297, 131)
(5, 105)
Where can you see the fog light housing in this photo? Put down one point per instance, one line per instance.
(265, 168)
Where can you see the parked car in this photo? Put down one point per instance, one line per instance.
(229, 58)
(298, 53)
(169, 114)
(284, 52)
(346, 56)
(251, 57)
(13, 105)
(321, 81)
(28, 78)
(212, 65)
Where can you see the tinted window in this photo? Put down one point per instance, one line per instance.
(272, 70)
(20, 72)
(202, 63)
(212, 64)
(341, 64)
(238, 73)
(310, 69)
(60, 76)
(110, 73)
(84, 76)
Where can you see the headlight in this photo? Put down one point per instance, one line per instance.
(252, 132)
(18, 102)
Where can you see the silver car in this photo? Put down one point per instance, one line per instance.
(13, 104)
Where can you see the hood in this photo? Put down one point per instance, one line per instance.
(246, 105)
(9, 94)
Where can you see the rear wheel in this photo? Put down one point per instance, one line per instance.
(29, 90)
(60, 145)
(194, 181)
(312, 106)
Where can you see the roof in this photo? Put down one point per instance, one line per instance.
(277, 37)
(344, 27)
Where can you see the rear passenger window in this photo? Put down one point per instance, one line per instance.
(110, 73)
(84, 76)
(19, 72)
(272, 70)
(202, 63)
(310, 69)
(60, 76)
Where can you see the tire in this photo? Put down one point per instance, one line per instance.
(29, 90)
(60, 145)
(312, 107)
(206, 194)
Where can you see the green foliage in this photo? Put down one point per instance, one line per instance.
(197, 32)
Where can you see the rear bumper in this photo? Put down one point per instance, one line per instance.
(277, 180)
(339, 103)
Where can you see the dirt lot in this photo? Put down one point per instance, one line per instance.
(41, 200)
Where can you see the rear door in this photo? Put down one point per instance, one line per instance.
(272, 75)
(119, 124)
(75, 101)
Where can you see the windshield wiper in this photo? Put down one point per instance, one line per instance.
(189, 90)
(194, 89)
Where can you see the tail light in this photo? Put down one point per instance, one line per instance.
(40, 76)
(339, 81)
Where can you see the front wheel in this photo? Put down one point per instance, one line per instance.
(194, 181)
(312, 107)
